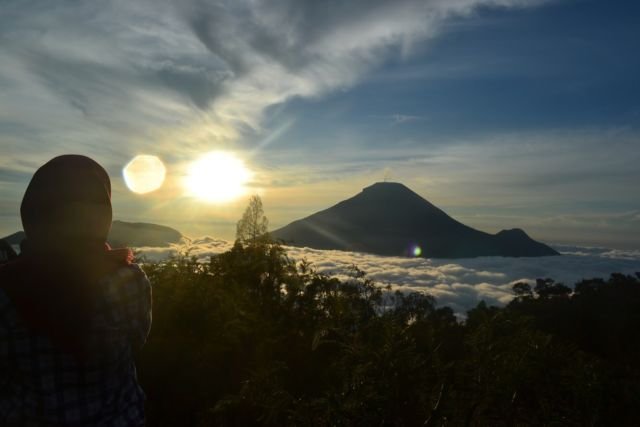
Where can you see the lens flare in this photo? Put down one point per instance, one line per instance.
(416, 251)
(144, 174)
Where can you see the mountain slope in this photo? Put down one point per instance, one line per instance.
(138, 234)
(123, 233)
(390, 219)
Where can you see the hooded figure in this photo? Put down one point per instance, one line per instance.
(72, 310)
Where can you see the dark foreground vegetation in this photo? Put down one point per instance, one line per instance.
(252, 338)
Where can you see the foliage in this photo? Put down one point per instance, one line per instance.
(252, 227)
(252, 338)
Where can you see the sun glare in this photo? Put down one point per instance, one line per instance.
(218, 177)
(144, 174)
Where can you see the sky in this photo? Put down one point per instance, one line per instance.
(504, 113)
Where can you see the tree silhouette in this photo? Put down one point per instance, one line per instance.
(548, 288)
(252, 337)
(252, 227)
(522, 290)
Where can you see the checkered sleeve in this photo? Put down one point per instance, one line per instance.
(4, 335)
(42, 385)
(137, 306)
(4, 356)
(4, 328)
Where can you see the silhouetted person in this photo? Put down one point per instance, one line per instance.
(72, 311)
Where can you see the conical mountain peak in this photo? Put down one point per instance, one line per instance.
(389, 188)
(388, 218)
(386, 186)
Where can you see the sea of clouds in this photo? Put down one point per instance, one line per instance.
(457, 283)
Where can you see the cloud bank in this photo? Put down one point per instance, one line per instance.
(206, 70)
(458, 283)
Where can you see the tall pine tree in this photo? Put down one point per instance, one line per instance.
(252, 227)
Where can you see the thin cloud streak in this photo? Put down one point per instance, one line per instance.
(208, 69)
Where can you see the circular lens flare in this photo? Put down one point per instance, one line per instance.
(144, 174)
(217, 177)
(416, 251)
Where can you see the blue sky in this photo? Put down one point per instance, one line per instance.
(505, 113)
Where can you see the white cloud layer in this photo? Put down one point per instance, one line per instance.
(457, 283)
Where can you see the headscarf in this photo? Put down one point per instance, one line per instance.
(66, 214)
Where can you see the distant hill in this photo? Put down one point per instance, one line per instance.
(135, 234)
(142, 234)
(389, 219)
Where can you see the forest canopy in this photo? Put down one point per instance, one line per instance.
(251, 337)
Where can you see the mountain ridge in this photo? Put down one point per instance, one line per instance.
(388, 218)
(124, 233)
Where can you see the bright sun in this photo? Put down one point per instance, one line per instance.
(217, 177)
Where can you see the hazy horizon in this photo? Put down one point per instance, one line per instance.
(226, 230)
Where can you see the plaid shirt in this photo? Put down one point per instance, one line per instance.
(42, 386)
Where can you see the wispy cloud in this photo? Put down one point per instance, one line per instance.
(91, 72)
(404, 118)
(397, 118)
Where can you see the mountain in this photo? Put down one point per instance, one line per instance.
(139, 234)
(388, 218)
(135, 234)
